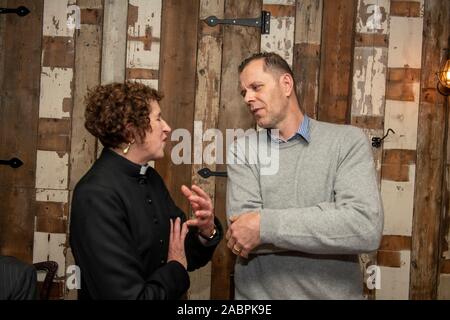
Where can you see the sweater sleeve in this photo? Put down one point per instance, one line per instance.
(104, 249)
(352, 224)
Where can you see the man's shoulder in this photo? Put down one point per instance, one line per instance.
(326, 130)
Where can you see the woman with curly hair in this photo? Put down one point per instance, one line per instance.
(127, 235)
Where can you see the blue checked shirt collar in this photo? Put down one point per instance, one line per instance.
(302, 132)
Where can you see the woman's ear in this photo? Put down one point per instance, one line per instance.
(287, 84)
(130, 132)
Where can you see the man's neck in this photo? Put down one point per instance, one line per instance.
(291, 123)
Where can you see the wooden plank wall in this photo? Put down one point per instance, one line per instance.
(19, 111)
(368, 86)
(431, 159)
(355, 62)
(399, 154)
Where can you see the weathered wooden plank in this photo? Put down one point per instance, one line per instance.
(368, 122)
(58, 52)
(389, 258)
(445, 267)
(114, 41)
(206, 113)
(336, 61)
(306, 61)
(368, 95)
(430, 159)
(19, 94)
(238, 44)
(87, 64)
(371, 40)
(444, 287)
(54, 135)
(17, 222)
(51, 217)
(282, 27)
(398, 199)
(405, 8)
(395, 281)
(396, 164)
(178, 70)
(50, 247)
(144, 37)
(395, 243)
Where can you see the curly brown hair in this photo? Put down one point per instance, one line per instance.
(110, 108)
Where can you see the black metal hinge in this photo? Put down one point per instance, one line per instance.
(263, 22)
(20, 11)
(13, 163)
(206, 173)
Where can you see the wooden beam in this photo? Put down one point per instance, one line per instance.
(20, 66)
(87, 63)
(178, 70)
(430, 158)
(336, 61)
(233, 114)
(307, 49)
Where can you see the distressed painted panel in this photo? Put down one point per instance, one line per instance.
(51, 170)
(206, 112)
(308, 21)
(47, 195)
(373, 16)
(114, 41)
(281, 37)
(55, 18)
(144, 32)
(398, 200)
(307, 49)
(56, 93)
(395, 281)
(50, 247)
(285, 2)
(402, 118)
(405, 42)
(444, 287)
(369, 81)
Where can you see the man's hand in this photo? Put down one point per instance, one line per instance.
(243, 234)
(176, 242)
(203, 210)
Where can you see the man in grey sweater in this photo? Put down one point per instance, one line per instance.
(298, 229)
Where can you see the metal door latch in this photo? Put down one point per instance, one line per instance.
(263, 22)
(13, 163)
(206, 173)
(20, 11)
(376, 141)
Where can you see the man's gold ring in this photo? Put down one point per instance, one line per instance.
(238, 250)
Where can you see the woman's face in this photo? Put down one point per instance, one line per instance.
(152, 147)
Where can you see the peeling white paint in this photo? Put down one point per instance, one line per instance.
(281, 37)
(395, 281)
(51, 170)
(405, 42)
(154, 83)
(55, 18)
(55, 87)
(149, 17)
(50, 247)
(375, 19)
(46, 195)
(398, 204)
(402, 117)
(369, 81)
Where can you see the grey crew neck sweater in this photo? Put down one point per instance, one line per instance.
(318, 212)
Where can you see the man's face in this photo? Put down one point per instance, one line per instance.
(263, 93)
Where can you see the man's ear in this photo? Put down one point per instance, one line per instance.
(287, 84)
